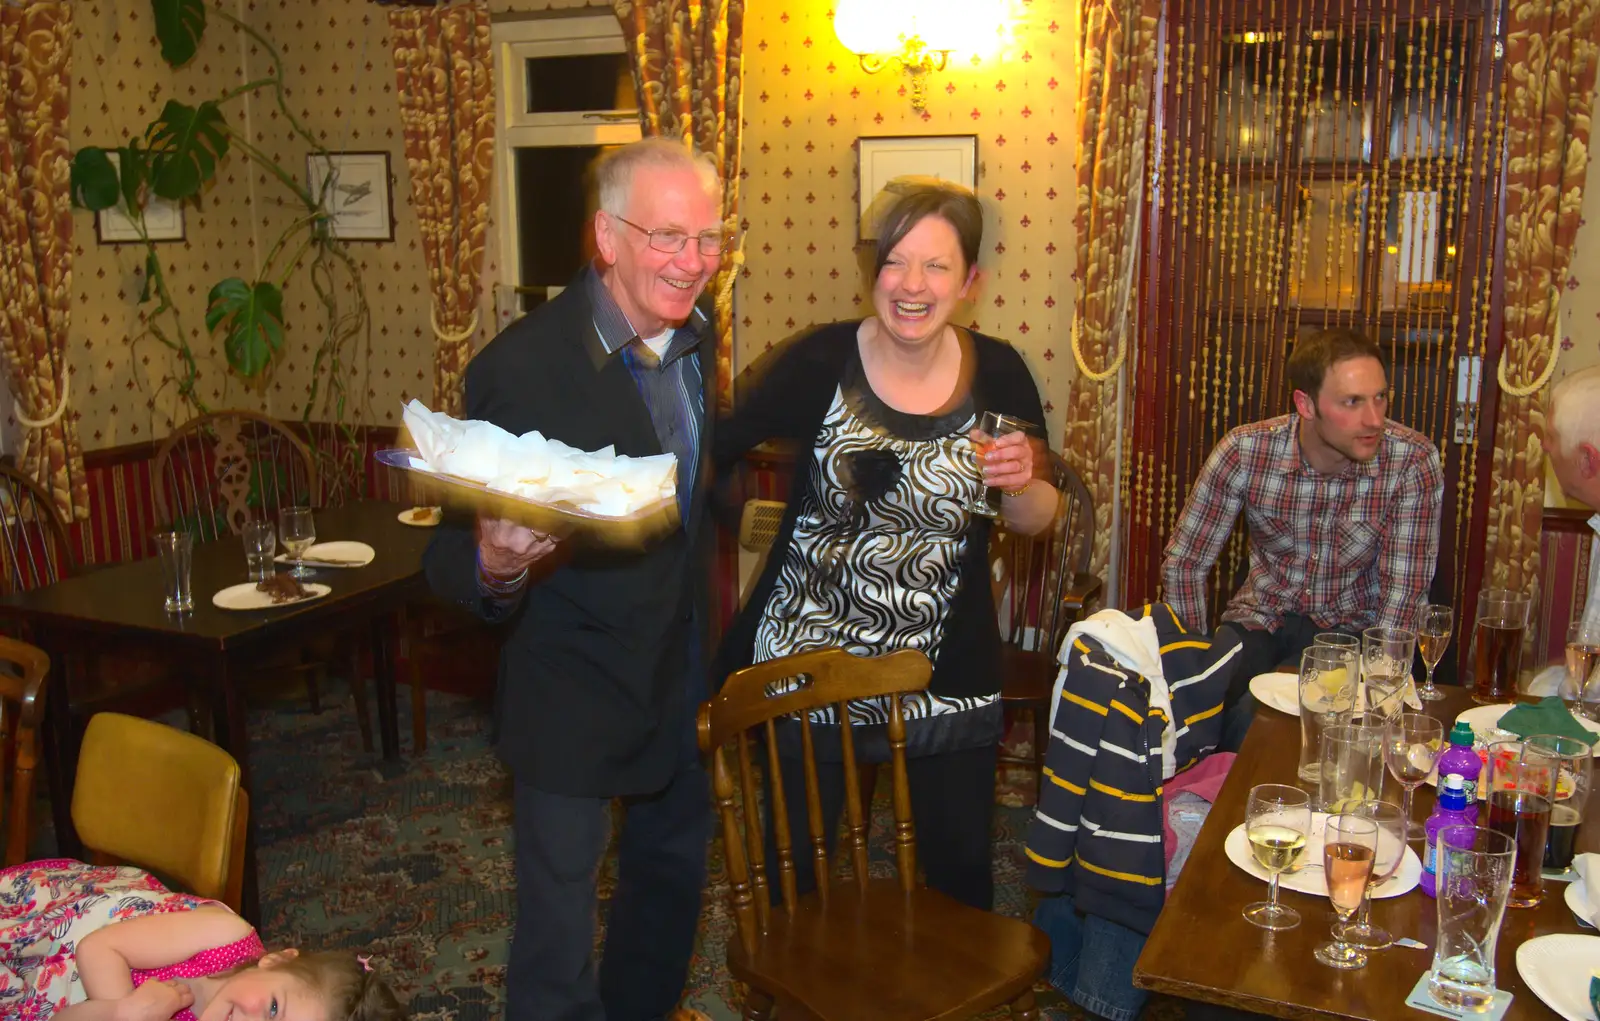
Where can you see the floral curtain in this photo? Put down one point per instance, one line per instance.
(686, 69)
(444, 66)
(1116, 67)
(1550, 55)
(36, 243)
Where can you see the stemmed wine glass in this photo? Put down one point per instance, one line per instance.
(1349, 847)
(1412, 744)
(1433, 637)
(1389, 852)
(1278, 824)
(297, 531)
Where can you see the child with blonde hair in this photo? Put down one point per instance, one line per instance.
(85, 942)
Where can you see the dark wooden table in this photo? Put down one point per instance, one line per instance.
(1202, 949)
(216, 646)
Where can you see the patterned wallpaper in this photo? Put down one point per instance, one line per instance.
(341, 86)
(807, 100)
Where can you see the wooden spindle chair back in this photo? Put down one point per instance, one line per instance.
(23, 669)
(1035, 579)
(33, 538)
(826, 677)
(219, 470)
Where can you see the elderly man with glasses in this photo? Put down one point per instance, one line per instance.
(603, 663)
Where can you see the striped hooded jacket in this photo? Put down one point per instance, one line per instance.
(1097, 832)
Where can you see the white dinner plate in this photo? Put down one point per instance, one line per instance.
(245, 596)
(1281, 691)
(435, 515)
(1557, 968)
(1484, 718)
(1309, 879)
(1576, 897)
(343, 553)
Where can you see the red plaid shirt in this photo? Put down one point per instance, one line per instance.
(1351, 550)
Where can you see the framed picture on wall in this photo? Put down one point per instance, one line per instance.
(354, 188)
(163, 218)
(882, 158)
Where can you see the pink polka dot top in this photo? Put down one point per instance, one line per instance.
(203, 964)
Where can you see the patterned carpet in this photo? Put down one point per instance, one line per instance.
(412, 860)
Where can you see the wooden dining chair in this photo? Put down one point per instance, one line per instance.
(221, 469)
(881, 949)
(33, 539)
(1041, 587)
(23, 669)
(164, 800)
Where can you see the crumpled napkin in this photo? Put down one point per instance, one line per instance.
(542, 470)
(1587, 865)
(1546, 716)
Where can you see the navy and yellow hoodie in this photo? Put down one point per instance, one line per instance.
(1097, 831)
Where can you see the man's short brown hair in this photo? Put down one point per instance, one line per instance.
(1313, 356)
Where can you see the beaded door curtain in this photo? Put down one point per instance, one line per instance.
(1314, 163)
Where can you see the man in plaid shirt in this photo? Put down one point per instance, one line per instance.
(1343, 509)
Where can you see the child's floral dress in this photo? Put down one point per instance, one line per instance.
(46, 907)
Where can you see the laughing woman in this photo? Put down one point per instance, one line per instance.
(878, 550)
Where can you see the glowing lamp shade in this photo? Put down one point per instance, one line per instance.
(883, 26)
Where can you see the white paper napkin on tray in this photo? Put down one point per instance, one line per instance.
(539, 469)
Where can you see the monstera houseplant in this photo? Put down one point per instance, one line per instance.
(177, 159)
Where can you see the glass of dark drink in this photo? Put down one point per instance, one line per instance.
(1522, 785)
(1497, 644)
(1574, 781)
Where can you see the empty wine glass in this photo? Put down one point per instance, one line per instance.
(1278, 824)
(1412, 745)
(297, 531)
(1349, 847)
(1389, 852)
(1434, 624)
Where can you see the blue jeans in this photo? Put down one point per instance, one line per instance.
(1092, 959)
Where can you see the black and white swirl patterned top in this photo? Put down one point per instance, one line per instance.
(875, 561)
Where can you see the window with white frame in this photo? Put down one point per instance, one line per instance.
(565, 96)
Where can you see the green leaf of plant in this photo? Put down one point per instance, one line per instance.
(94, 179)
(185, 145)
(179, 26)
(150, 271)
(134, 164)
(251, 316)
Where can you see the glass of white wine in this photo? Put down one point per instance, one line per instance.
(1434, 624)
(1349, 847)
(297, 531)
(1278, 824)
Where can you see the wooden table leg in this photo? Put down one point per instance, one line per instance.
(383, 680)
(60, 750)
(230, 724)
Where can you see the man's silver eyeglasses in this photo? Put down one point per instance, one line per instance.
(672, 240)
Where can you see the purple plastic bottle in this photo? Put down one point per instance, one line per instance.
(1453, 808)
(1461, 758)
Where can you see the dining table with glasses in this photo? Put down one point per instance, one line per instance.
(231, 625)
(1204, 947)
